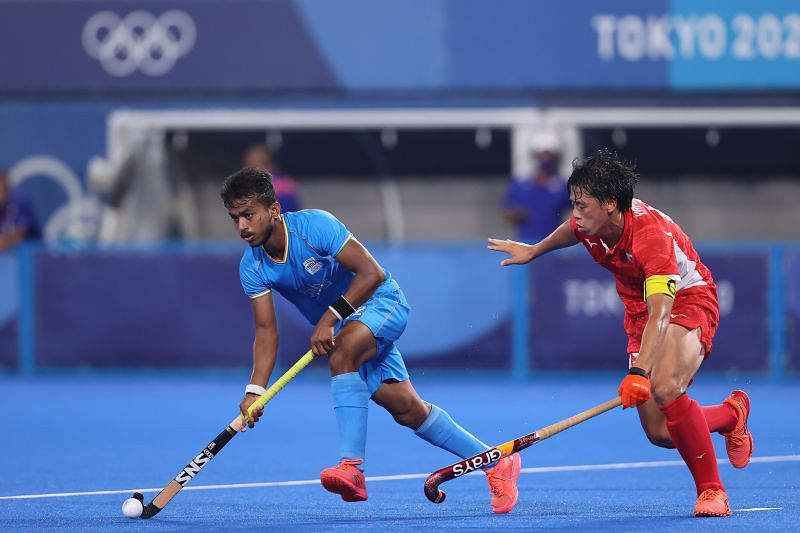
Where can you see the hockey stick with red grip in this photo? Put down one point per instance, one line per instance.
(492, 455)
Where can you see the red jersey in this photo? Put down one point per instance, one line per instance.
(652, 244)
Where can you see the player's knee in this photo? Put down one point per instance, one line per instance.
(665, 390)
(409, 412)
(661, 441)
(659, 438)
(340, 362)
(405, 419)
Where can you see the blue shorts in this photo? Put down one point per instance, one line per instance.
(386, 315)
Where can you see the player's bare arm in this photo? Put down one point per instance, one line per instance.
(635, 387)
(659, 307)
(521, 253)
(369, 276)
(265, 350)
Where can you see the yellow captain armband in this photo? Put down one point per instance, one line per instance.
(659, 285)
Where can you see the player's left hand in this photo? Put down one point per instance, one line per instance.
(250, 420)
(635, 388)
(323, 340)
(519, 252)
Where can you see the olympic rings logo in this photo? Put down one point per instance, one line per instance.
(139, 41)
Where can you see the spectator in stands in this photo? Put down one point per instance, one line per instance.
(17, 222)
(536, 205)
(259, 156)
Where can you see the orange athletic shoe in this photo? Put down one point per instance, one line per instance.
(712, 502)
(503, 483)
(739, 441)
(346, 480)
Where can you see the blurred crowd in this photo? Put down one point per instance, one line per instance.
(17, 220)
(537, 203)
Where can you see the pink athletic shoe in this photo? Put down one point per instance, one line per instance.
(346, 480)
(739, 441)
(503, 483)
(712, 502)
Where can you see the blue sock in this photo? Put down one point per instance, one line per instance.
(350, 403)
(440, 430)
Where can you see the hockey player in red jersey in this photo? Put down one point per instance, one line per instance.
(671, 316)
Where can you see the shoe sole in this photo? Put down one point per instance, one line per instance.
(713, 515)
(742, 396)
(342, 488)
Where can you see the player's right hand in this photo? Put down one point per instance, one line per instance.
(634, 389)
(520, 252)
(251, 420)
(323, 340)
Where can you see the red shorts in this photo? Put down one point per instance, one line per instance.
(691, 310)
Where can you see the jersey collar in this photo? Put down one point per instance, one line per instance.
(624, 238)
(285, 244)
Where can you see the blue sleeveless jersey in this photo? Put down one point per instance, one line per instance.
(310, 276)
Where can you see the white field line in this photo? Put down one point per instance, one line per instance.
(534, 470)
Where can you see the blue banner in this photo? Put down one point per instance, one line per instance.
(268, 45)
(145, 309)
(737, 44)
(157, 45)
(576, 314)
(185, 307)
(742, 340)
(9, 308)
(792, 317)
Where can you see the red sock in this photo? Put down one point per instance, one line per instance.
(689, 432)
(720, 417)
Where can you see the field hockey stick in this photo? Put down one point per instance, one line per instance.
(215, 446)
(507, 448)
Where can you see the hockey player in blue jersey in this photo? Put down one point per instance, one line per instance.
(359, 312)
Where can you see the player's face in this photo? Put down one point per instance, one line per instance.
(254, 221)
(590, 215)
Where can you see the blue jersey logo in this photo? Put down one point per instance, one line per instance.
(312, 266)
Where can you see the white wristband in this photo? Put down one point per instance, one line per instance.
(335, 312)
(252, 388)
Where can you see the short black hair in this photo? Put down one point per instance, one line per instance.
(249, 182)
(605, 176)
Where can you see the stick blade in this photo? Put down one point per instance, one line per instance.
(150, 510)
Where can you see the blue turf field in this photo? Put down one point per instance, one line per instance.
(78, 433)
